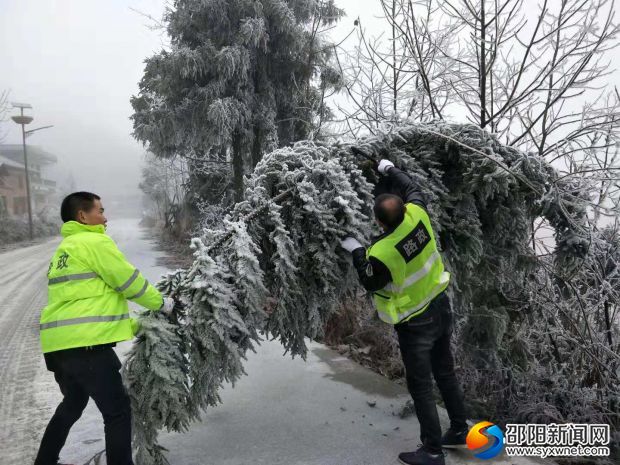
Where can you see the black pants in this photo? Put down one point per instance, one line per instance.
(425, 346)
(83, 373)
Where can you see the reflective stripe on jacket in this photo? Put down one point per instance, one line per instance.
(89, 282)
(417, 271)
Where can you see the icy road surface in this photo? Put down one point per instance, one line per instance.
(285, 411)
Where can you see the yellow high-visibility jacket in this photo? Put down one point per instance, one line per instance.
(89, 282)
(418, 275)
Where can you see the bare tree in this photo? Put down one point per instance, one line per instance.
(162, 183)
(536, 77)
(401, 76)
(4, 111)
(536, 81)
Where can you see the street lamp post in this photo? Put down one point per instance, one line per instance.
(23, 120)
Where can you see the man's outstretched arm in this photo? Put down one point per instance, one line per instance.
(404, 187)
(110, 264)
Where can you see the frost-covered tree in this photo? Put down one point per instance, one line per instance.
(539, 74)
(567, 338)
(276, 267)
(240, 78)
(162, 183)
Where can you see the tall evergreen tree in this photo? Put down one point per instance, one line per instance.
(241, 78)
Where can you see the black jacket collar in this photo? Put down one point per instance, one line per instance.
(385, 234)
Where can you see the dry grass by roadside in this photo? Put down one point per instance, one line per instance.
(27, 243)
(13, 231)
(356, 332)
(178, 253)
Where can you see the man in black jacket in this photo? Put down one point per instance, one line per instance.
(424, 338)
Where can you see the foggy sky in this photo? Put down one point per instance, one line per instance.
(79, 61)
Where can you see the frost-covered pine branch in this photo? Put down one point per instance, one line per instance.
(282, 274)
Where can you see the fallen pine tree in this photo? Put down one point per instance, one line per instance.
(275, 267)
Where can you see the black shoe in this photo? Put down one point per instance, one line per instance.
(421, 457)
(454, 439)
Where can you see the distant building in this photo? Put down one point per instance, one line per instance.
(13, 196)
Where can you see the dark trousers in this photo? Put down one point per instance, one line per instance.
(83, 373)
(425, 346)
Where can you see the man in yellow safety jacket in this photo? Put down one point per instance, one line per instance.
(89, 282)
(404, 271)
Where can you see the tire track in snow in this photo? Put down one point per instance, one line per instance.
(23, 293)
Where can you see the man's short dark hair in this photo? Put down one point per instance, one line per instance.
(390, 210)
(75, 202)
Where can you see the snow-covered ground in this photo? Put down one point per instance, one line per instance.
(285, 411)
(24, 406)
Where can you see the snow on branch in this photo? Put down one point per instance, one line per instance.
(278, 270)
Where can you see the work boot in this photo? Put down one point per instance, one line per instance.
(454, 439)
(421, 457)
